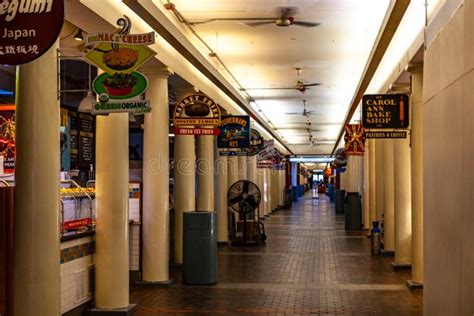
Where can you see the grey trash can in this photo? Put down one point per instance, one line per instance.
(339, 201)
(200, 248)
(353, 212)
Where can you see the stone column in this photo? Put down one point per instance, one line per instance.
(260, 183)
(205, 173)
(184, 188)
(242, 168)
(155, 243)
(417, 175)
(111, 256)
(269, 190)
(36, 226)
(232, 171)
(379, 175)
(372, 183)
(252, 174)
(388, 205)
(402, 204)
(366, 186)
(265, 192)
(220, 193)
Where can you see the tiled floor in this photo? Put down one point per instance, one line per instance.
(309, 266)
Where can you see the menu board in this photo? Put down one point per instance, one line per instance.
(73, 133)
(86, 143)
(7, 136)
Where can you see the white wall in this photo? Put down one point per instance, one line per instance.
(448, 94)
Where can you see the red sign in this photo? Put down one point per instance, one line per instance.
(28, 28)
(196, 131)
(355, 139)
(77, 223)
(7, 137)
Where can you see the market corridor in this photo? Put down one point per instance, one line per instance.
(309, 265)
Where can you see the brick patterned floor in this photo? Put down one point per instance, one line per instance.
(309, 266)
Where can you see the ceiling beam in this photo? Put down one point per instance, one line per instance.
(396, 14)
(172, 40)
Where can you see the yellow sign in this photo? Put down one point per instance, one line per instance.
(113, 58)
(197, 110)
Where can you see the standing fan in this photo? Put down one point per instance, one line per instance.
(243, 199)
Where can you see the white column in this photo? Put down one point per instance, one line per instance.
(265, 192)
(205, 173)
(379, 175)
(184, 188)
(232, 171)
(269, 190)
(366, 186)
(242, 168)
(220, 194)
(252, 173)
(273, 178)
(417, 174)
(282, 187)
(402, 202)
(155, 224)
(388, 206)
(36, 226)
(111, 256)
(260, 180)
(294, 173)
(372, 183)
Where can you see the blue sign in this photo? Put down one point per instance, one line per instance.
(234, 132)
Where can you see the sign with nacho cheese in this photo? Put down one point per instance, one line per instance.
(28, 28)
(197, 110)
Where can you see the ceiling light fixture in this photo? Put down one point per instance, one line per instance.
(88, 102)
(79, 37)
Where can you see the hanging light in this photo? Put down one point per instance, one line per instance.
(88, 102)
(79, 37)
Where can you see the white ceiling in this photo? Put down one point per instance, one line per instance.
(333, 54)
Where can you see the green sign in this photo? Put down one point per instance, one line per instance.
(135, 107)
(120, 86)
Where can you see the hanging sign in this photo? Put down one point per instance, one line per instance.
(256, 142)
(197, 110)
(268, 150)
(340, 157)
(385, 111)
(120, 54)
(233, 153)
(28, 29)
(386, 134)
(355, 139)
(7, 137)
(196, 131)
(234, 132)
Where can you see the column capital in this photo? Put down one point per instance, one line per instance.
(414, 67)
(163, 71)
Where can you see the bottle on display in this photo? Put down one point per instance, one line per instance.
(91, 175)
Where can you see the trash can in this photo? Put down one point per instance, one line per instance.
(375, 238)
(200, 248)
(301, 190)
(353, 212)
(288, 198)
(331, 192)
(295, 193)
(339, 200)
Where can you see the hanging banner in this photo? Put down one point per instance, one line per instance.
(7, 137)
(197, 110)
(234, 132)
(120, 54)
(355, 139)
(340, 157)
(28, 29)
(256, 142)
(386, 134)
(385, 111)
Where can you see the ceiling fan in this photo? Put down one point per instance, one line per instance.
(304, 113)
(300, 86)
(284, 18)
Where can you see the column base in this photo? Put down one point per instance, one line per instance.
(412, 285)
(166, 283)
(397, 266)
(127, 311)
(387, 253)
